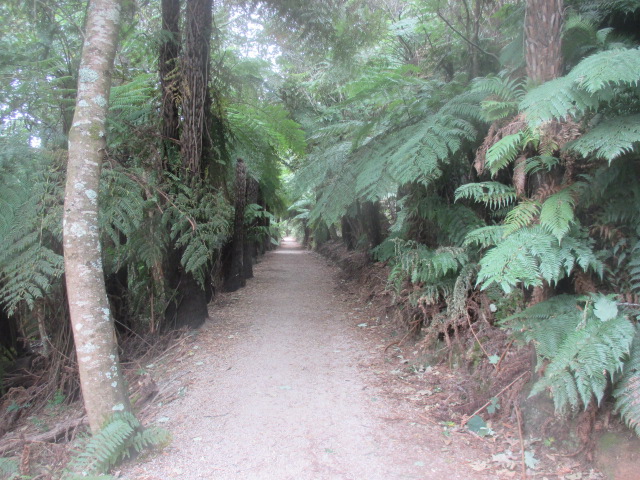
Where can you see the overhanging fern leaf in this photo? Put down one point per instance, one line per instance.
(605, 69)
(610, 139)
(492, 194)
(531, 255)
(504, 151)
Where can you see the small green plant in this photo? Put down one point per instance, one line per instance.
(14, 407)
(58, 399)
(119, 438)
(8, 468)
(494, 406)
(584, 344)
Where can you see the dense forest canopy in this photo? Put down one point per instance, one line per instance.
(486, 150)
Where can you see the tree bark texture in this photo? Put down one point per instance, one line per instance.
(101, 381)
(196, 101)
(544, 21)
(169, 70)
(543, 39)
(235, 278)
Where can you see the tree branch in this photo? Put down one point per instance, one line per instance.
(465, 38)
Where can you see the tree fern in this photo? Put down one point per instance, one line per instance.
(198, 222)
(580, 347)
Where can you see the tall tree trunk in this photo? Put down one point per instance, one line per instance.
(169, 71)
(235, 279)
(544, 21)
(371, 220)
(102, 384)
(196, 102)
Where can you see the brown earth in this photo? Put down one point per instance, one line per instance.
(291, 378)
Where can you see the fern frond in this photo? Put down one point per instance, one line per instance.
(504, 151)
(485, 236)
(493, 194)
(531, 255)
(610, 139)
(107, 447)
(521, 215)
(588, 84)
(557, 212)
(582, 351)
(556, 99)
(606, 69)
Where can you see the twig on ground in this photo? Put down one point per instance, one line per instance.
(464, 422)
(503, 355)
(524, 465)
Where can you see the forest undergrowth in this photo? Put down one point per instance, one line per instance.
(472, 375)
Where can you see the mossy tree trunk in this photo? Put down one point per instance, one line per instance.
(250, 247)
(102, 384)
(196, 101)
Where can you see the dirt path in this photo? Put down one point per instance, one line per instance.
(277, 390)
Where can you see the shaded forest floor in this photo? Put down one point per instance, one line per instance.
(296, 377)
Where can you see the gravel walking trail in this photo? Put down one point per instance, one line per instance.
(277, 387)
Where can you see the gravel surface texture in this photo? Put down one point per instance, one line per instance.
(276, 386)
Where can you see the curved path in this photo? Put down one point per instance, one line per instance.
(276, 391)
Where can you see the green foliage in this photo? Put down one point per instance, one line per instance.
(30, 227)
(582, 343)
(594, 82)
(9, 468)
(532, 254)
(199, 222)
(493, 194)
(610, 139)
(118, 439)
(505, 150)
(557, 212)
(502, 96)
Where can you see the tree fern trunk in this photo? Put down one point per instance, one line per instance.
(235, 278)
(102, 384)
(169, 72)
(195, 82)
(544, 21)
(250, 249)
